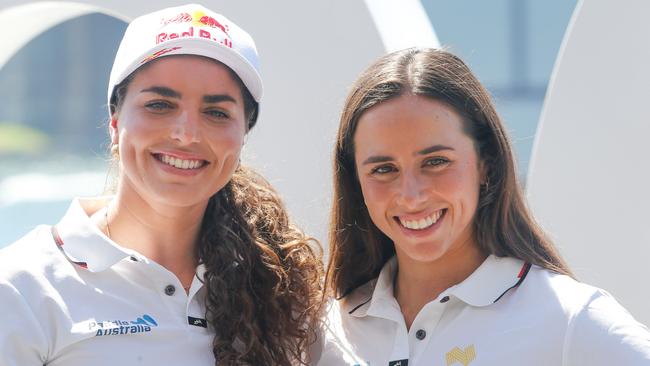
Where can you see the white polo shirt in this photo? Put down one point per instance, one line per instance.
(505, 313)
(70, 296)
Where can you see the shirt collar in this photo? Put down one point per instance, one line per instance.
(373, 296)
(490, 281)
(485, 286)
(81, 241)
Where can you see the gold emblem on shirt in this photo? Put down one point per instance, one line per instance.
(464, 357)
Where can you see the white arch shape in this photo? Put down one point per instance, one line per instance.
(35, 18)
(311, 51)
(402, 24)
(589, 177)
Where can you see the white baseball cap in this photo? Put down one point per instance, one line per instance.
(187, 30)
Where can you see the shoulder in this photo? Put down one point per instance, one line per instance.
(30, 256)
(31, 269)
(604, 333)
(558, 291)
(23, 285)
(599, 331)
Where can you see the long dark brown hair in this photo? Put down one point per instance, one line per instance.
(503, 224)
(263, 275)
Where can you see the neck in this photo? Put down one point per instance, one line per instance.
(163, 233)
(418, 283)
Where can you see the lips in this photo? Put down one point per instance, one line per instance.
(422, 223)
(178, 163)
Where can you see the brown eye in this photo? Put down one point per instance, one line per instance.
(382, 169)
(217, 113)
(436, 162)
(158, 106)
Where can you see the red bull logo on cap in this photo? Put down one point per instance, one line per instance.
(211, 22)
(199, 21)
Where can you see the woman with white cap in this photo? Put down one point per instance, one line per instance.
(193, 260)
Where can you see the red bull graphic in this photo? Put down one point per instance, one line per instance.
(211, 22)
(199, 21)
(158, 54)
(202, 33)
(180, 18)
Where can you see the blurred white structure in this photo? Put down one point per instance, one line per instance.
(587, 183)
(311, 51)
(589, 179)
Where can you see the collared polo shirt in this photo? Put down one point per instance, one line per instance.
(505, 313)
(71, 296)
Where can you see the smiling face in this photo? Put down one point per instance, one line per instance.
(420, 176)
(179, 132)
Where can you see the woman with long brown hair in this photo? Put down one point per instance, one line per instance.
(193, 260)
(434, 256)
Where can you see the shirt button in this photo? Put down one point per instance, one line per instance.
(169, 290)
(420, 334)
(444, 299)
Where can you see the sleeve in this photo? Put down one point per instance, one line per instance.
(604, 333)
(22, 341)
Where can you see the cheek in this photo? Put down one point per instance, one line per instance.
(376, 197)
(232, 139)
(464, 188)
(227, 143)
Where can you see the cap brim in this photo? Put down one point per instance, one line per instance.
(201, 47)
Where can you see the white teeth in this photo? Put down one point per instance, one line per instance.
(422, 223)
(179, 163)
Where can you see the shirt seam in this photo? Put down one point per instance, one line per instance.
(568, 335)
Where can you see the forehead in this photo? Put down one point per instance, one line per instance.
(408, 121)
(189, 70)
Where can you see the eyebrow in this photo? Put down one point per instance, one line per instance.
(171, 93)
(385, 158)
(216, 98)
(162, 90)
(434, 148)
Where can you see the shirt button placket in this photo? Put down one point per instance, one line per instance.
(421, 334)
(170, 290)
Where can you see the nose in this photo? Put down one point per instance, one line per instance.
(186, 129)
(412, 191)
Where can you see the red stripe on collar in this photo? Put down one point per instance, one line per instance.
(59, 244)
(524, 270)
(522, 276)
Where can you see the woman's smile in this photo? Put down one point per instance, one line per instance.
(180, 164)
(413, 223)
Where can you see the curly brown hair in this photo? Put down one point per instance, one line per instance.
(263, 275)
(263, 278)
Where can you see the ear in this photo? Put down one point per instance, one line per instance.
(113, 131)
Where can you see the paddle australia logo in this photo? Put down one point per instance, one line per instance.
(141, 324)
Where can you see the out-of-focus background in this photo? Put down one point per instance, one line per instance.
(569, 78)
(53, 135)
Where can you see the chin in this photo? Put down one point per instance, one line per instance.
(422, 252)
(181, 197)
